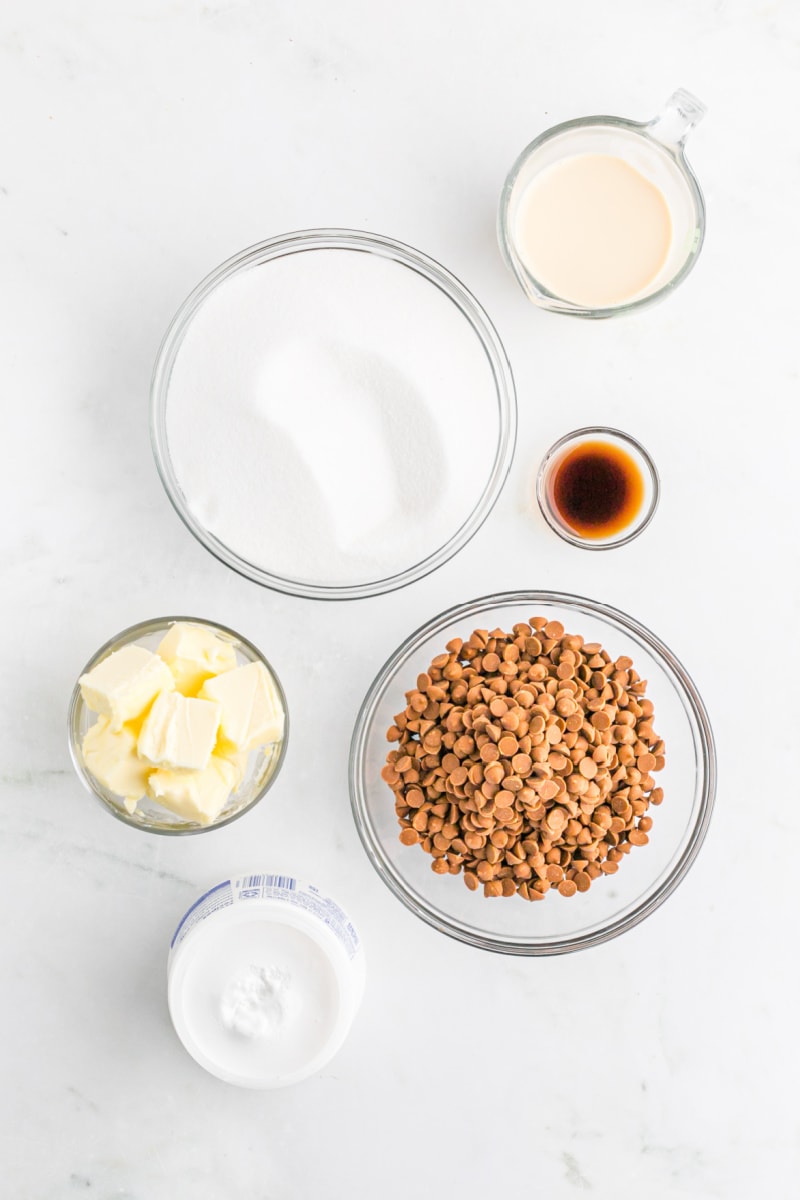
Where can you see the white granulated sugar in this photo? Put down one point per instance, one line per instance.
(331, 417)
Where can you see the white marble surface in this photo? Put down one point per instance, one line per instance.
(142, 143)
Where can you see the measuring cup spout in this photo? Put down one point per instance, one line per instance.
(676, 120)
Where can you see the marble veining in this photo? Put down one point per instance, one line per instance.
(143, 145)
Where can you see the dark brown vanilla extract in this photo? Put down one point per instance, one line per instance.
(596, 489)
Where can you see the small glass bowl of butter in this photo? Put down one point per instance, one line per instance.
(178, 725)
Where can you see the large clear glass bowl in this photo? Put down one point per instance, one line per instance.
(497, 423)
(263, 764)
(614, 903)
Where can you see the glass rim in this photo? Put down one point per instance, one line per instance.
(692, 704)
(77, 704)
(469, 307)
(549, 300)
(627, 534)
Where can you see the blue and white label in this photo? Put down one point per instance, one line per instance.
(212, 901)
(301, 895)
(285, 888)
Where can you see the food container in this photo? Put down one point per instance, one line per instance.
(265, 976)
(623, 464)
(299, 357)
(654, 149)
(614, 903)
(262, 765)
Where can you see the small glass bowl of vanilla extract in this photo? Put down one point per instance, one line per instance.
(597, 488)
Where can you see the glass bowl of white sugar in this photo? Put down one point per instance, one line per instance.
(333, 414)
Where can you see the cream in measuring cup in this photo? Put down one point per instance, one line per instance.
(602, 214)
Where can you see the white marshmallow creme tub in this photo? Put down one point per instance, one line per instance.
(265, 976)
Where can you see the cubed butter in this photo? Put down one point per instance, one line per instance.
(193, 654)
(197, 795)
(110, 755)
(251, 713)
(179, 732)
(124, 684)
(239, 760)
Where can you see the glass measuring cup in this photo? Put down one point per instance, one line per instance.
(655, 149)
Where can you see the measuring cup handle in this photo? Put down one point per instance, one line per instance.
(677, 119)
